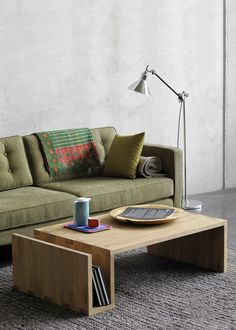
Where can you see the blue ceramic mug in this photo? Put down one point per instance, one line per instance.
(81, 211)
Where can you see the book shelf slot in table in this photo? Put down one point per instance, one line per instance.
(44, 270)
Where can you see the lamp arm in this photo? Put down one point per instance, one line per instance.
(153, 72)
(181, 96)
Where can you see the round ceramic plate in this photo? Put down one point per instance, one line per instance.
(177, 214)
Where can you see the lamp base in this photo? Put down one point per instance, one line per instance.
(190, 204)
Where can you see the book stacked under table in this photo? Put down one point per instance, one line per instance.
(100, 292)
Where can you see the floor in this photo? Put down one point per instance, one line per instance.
(221, 204)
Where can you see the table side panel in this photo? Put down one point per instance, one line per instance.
(206, 249)
(100, 257)
(59, 275)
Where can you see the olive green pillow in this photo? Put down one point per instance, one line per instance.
(124, 155)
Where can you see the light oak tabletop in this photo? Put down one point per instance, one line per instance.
(125, 236)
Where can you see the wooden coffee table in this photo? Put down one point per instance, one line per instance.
(56, 264)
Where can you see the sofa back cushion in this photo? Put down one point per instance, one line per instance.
(102, 136)
(14, 168)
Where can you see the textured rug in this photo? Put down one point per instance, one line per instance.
(151, 293)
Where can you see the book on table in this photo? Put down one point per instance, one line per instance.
(100, 289)
(147, 213)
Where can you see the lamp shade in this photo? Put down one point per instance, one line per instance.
(140, 85)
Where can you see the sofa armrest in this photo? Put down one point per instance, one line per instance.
(172, 163)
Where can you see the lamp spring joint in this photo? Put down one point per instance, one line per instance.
(182, 96)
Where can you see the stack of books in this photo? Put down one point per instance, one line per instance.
(100, 292)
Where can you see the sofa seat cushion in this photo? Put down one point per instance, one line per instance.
(32, 205)
(107, 192)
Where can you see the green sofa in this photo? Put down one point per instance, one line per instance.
(29, 198)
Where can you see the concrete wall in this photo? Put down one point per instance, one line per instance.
(67, 64)
(230, 110)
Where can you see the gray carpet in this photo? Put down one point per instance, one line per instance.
(151, 293)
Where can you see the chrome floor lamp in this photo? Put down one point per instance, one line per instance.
(141, 86)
